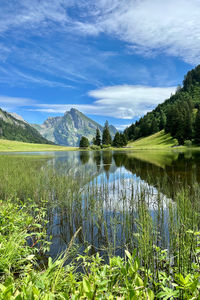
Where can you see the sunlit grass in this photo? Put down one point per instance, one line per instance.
(12, 146)
(159, 140)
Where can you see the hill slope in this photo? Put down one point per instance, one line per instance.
(159, 140)
(12, 128)
(68, 129)
(16, 146)
(175, 115)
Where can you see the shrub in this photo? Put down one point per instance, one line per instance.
(105, 146)
(188, 143)
(95, 147)
(84, 143)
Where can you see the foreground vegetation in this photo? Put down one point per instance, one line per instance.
(23, 276)
(159, 244)
(9, 146)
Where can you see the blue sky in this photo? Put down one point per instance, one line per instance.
(111, 59)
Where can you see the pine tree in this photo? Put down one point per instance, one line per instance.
(97, 139)
(188, 122)
(116, 140)
(119, 140)
(106, 138)
(154, 126)
(197, 128)
(162, 120)
(123, 139)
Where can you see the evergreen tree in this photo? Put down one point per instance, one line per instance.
(116, 140)
(188, 122)
(197, 128)
(97, 139)
(106, 138)
(84, 143)
(154, 126)
(163, 120)
(123, 139)
(119, 140)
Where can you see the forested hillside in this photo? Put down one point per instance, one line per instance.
(17, 130)
(179, 115)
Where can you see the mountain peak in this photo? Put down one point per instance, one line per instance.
(74, 110)
(68, 129)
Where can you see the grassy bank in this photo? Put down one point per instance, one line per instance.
(159, 140)
(15, 146)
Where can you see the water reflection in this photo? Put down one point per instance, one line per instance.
(84, 157)
(110, 195)
(123, 182)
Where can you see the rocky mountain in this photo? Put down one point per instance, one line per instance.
(18, 117)
(68, 129)
(12, 127)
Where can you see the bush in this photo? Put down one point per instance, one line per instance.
(105, 146)
(188, 143)
(95, 147)
(84, 143)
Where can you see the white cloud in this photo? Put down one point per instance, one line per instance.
(171, 27)
(122, 102)
(122, 127)
(31, 14)
(16, 101)
(149, 27)
(129, 101)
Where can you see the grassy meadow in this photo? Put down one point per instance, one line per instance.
(159, 140)
(15, 146)
(153, 263)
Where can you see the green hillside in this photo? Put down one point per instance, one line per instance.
(175, 115)
(10, 146)
(12, 128)
(159, 140)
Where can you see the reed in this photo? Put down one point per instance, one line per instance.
(142, 244)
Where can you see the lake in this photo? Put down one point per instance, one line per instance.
(119, 199)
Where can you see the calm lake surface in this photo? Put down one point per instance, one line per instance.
(110, 195)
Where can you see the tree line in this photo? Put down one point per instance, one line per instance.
(179, 115)
(104, 140)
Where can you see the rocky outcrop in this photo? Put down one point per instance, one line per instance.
(68, 129)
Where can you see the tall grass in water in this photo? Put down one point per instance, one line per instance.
(121, 278)
(116, 217)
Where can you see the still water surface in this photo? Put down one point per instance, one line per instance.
(110, 194)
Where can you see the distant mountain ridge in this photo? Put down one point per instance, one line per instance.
(13, 127)
(67, 130)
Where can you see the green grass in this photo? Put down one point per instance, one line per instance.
(22, 278)
(159, 140)
(12, 146)
(147, 269)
